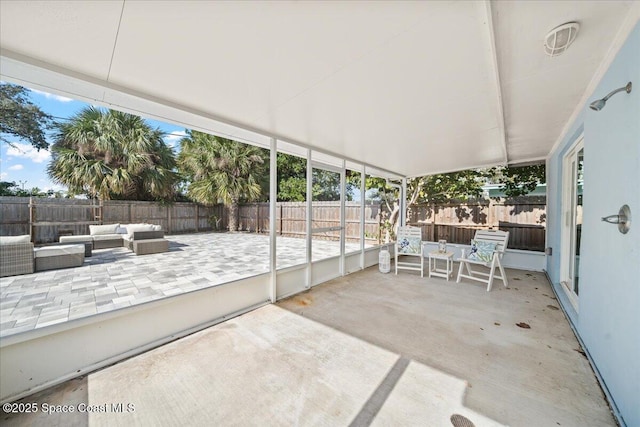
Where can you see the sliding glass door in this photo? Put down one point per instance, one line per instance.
(573, 187)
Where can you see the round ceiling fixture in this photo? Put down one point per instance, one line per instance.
(560, 38)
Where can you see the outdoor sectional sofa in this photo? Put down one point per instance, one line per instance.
(124, 235)
(16, 255)
(58, 256)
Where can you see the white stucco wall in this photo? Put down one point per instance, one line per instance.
(607, 318)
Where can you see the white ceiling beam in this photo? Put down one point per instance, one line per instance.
(115, 40)
(496, 74)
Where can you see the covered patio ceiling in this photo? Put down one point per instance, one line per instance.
(411, 87)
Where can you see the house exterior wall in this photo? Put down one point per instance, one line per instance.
(607, 319)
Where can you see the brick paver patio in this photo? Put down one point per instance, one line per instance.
(116, 278)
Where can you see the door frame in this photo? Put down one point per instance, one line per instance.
(568, 244)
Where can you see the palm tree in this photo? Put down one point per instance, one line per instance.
(220, 169)
(113, 155)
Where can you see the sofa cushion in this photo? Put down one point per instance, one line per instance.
(76, 239)
(47, 251)
(107, 237)
(12, 240)
(123, 228)
(96, 230)
(131, 228)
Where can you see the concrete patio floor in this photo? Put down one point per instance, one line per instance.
(117, 278)
(366, 349)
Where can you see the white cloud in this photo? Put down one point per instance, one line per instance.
(46, 185)
(55, 187)
(52, 96)
(27, 151)
(3, 175)
(173, 138)
(15, 168)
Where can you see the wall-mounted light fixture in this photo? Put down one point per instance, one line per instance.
(600, 103)
(623, 219)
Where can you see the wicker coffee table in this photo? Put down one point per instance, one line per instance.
(150, 246)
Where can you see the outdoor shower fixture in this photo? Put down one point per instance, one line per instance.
(600, 103)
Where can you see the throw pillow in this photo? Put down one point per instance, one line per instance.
(481, 251)
(409, 245)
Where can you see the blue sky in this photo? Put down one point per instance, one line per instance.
(28, 167)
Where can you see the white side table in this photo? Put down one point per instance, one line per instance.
(434, 271)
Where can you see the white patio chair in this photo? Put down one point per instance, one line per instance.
(487, 248)
(409, 244)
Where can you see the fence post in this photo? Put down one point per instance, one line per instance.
(169, 219)
(257, 217)
(32, 219)
(197, 217)
(491, 217)
(432, 229)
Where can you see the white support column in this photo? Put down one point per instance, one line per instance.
(403, 203)
(273, 197)
(309, 216)
(343, 222)
(363, 206)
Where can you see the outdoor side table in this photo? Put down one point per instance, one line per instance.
(434, 271)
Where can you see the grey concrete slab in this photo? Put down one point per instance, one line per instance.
(504, 373)
(286, 371)
(366, 349)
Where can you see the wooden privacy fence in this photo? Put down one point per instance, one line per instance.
(47, 219)
(457, 223)
(291, 219)
(175, 218)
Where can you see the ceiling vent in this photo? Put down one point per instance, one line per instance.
(560, 38)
